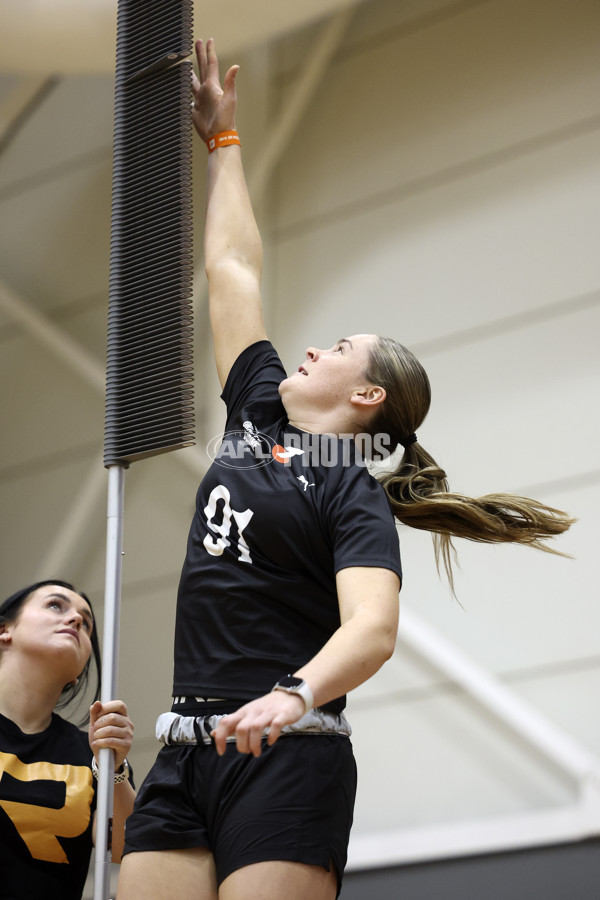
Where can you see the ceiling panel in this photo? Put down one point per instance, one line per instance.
(70, 36)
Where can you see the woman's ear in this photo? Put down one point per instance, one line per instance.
(370, 396)
(5, 636)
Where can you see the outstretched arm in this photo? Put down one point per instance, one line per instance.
(232, 245)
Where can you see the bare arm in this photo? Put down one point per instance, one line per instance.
(368, 600)
(232, 244)
(123, 800)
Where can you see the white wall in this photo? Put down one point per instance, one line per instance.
(442, 188)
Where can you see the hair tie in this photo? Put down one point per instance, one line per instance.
(406, 442)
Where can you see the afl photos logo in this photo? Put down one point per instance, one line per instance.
(249, 449)
(284, 454)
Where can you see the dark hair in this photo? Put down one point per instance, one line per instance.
(418, 491)
(9, 612)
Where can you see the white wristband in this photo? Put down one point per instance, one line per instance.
(119, 776)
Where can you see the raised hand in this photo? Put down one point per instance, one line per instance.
(213, 109)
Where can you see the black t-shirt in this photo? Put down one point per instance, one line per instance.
(278, 514)
(47, 801)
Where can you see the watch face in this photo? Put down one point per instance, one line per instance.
(290, 682)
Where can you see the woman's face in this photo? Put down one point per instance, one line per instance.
(328, 378)
(54, 620)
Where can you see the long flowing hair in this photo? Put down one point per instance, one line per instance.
(417, 488)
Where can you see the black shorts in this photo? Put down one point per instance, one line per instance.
(294, 802)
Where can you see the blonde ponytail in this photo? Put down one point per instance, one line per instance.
(418, 490)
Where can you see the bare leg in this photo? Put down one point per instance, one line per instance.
(181, 874)
(274, 880)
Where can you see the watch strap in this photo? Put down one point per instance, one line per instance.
(300, 688)
(122, 773)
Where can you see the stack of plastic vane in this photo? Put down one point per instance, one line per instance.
(149, 392)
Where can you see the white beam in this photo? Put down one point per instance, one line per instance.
(71, 353)
(299, 98)
(573, 822)
(522, 718)
(75, 522)
(68, 351)
(15, 102)
(53, 337)
(282, 130)
(55, 37)
(492, 835)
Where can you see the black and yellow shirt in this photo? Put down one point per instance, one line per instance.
(47, 801)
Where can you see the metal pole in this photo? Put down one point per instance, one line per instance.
(110, 656)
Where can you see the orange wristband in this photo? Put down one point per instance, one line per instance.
(222, 139)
